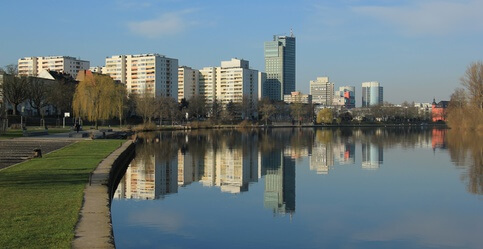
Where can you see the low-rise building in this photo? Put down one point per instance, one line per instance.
(32, 66)
(439, 110)
(345, 97)
(298, 97)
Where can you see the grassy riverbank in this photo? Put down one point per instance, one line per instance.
(41, 198)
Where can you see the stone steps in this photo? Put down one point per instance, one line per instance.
(15, 151)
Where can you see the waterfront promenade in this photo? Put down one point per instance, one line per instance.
(35, 185)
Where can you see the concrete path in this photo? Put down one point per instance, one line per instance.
(94, 229)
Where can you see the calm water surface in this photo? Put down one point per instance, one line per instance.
(302, 188)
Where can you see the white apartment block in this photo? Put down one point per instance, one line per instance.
(145, 73)
(209, 76)
(32, 66)
(322, 91)
(237, 81)
(232, 81)
(188, 82)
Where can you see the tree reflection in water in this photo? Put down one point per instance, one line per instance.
(466, 151)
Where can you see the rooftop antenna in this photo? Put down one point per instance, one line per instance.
(291, 32)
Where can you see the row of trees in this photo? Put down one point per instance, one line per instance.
(38, 93)
(98, 97)
(465, 109)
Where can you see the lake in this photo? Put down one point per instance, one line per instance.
(411, 187)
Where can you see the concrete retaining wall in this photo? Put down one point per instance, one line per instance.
(94, 229)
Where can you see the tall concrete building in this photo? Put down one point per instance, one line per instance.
(151, 73)
(322, 91)
(232, 81)
(279, 66)
(372, 94)
(188, 82)
(237, 81)
(209, 76)
(262, 77)
(345, 97)
(32, 66)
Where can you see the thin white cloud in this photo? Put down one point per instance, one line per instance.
(166, 24)
(430, 17)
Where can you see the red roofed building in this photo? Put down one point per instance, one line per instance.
(439, 110)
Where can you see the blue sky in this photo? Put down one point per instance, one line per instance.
(416, 49)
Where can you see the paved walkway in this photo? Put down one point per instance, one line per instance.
(94, 229)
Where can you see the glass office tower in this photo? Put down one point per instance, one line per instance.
(280, 67)
(372, 94)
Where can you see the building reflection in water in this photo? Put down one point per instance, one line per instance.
(372, 156)
(438, 139)
(279, 195)
(231, 160)
(327, 150)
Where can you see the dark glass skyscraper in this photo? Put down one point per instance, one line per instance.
(280, 67)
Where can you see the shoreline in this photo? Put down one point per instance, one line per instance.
(94, 226)
(200, 127)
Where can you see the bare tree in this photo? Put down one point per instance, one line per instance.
(197, 106)
(247, 106)
(145, 106)
(168, 109)
(458, 98)
(15, 90)
(216, 111)
(231, 111)
(61, 94)
(473, 82)
(298, 111)
(120, 101)
(10, 69)
(37, 94)
(266, 108)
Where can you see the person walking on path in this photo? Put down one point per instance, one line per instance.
(77, 127)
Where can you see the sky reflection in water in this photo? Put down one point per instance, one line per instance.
(302, 188)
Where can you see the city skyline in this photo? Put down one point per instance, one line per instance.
(405, 45)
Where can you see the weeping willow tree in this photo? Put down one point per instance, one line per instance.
(95, 98)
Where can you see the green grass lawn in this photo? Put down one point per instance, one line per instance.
(41, 198)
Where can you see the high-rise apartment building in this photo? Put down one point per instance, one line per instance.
(372, 94)
(209, 76)
(262, 77)
(345, 97)
(280, 67)
(237, 81)
(145, 73)
(233, 81)
(322, 91)
(188, 82)
(32, 66)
